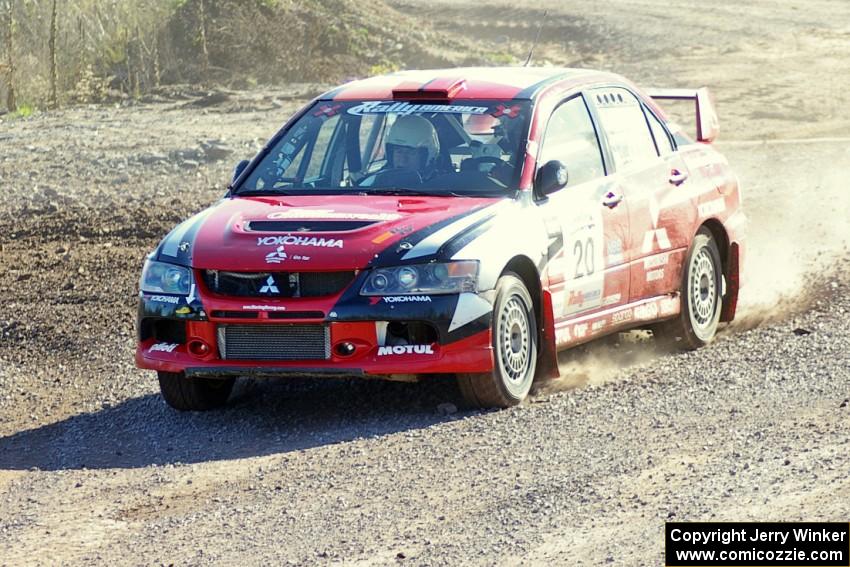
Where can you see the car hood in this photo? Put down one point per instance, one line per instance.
(322, 232)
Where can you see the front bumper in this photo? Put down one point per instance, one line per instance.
(460, 342)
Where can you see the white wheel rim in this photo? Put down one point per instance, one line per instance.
(703, 292)
(515, 340)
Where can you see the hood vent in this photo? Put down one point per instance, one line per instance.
(306, 225)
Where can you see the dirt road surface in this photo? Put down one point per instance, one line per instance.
(94, 468)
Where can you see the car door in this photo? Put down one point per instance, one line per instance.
(657, 201)
(587, 220)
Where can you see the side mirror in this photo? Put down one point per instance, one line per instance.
(551, 177)
(240, 167)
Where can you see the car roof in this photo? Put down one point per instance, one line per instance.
(467, 82)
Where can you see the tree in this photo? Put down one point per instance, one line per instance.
(11, 103)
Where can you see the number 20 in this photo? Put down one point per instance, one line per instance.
(584, 251)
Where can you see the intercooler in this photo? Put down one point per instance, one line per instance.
(274, 342)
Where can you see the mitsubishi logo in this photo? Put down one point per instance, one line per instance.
(270, 286)
(277, 256)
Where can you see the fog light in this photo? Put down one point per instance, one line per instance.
(198, 348)
(345, 349)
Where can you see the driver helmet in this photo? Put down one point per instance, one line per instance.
(414, 132)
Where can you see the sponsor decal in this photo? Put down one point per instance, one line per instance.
(580, 297)
(279, 255)
(646, 311)
(405, 108)
(658, 235)
(598, 325)
(611, 299)
(615, 251)
(270, 287)
(163, 347)
(622, 316)
(713, 207)
(562, 335)
(506, 111)
(331, 214)
(403, 230)
(405, 349)
(327, 110)
(407, 299)
(580, 331)
(299, 241)
(655, 275)
(165, 299)
(656, 261)
(185, 310)
(184, 246)
(263, 308)
(668, 306)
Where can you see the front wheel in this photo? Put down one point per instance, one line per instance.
(514, 331)
(194, 394)
(702, 297)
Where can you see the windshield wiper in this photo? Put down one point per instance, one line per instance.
(405, 191)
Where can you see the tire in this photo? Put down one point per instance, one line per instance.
(514, 334)
(702, 297)
(194, 394)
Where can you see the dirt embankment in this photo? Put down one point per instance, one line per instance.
(95, 468)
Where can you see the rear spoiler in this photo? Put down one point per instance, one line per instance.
(707, 124)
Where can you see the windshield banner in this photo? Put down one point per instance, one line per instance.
(405, 108)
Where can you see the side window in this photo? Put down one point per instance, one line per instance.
(662, 140)
(571, 138)
(625, 125)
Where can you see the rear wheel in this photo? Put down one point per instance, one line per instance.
(514, 331)
(194, 394)
(702, 297)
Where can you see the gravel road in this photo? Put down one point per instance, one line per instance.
(94, 468)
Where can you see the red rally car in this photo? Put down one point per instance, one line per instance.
(466, 221)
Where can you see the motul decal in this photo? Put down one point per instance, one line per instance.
(405, 108)
(331, 214)
(163, 347)
(299, 241)
(405, 349)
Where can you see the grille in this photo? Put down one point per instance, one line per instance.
(277, 284)
(307, 226)
(274, 342)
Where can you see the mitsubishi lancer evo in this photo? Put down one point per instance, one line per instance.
(471, 222)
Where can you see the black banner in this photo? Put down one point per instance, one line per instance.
(767, 544)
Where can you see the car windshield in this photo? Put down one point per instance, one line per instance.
(462, 148)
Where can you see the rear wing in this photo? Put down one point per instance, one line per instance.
(707, 124)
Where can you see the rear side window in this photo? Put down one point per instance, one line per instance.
(662, 140)
(571, 138)
(626, 128)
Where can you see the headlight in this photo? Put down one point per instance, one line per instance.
(159, 277)
(447, 277)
